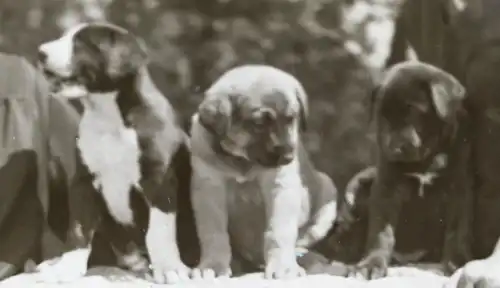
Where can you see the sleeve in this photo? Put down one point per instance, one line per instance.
(37, 89)
(74, 212)
(58, 126)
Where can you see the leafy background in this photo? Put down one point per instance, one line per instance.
(336, 48)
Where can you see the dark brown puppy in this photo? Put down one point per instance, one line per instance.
(419, 115)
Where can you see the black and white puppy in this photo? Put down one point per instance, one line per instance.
(130, 146)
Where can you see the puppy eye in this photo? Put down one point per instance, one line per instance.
(259, 123)
(261, 120)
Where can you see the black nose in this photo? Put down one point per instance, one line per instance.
(279, 149)
(397, 148)
(283, 154)
(42, 56)
(287, 158)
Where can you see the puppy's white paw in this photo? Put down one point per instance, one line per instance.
(170, 273)
(279, 268)
(209, 270)
(480, 273)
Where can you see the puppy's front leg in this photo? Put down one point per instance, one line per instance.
(208, 194)
(384, 210)
(161, 189)
(282, 190)
(161, 243)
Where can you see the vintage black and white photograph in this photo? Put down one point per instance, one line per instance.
(250, 143)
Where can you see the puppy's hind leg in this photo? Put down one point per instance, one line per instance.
(345, 241)
(337, 213)
(101, 252)
(324, 215)
(108, 239)
(313, 259)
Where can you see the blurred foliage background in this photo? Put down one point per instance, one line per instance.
(336, 48)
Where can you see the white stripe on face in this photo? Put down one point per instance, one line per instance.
(60, 52)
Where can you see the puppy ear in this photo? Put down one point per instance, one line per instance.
(301, 94)
(215, 114)
(125, 55)
(447, 94)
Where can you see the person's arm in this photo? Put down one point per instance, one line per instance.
(69, 203)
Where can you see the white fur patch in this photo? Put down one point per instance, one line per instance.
(60, 52)
(284, 195)
(424, 179)
(134, 261)
(71, 91)
(111, 152)
(161, 240)
(60, 55)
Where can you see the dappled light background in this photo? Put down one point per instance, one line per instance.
(336, 48)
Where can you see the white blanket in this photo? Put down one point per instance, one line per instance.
(69, 271)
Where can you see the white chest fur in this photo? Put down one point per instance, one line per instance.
(427, 178)
(111, 153)
(424, 180)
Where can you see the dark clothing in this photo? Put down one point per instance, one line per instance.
(35, 131)
(470, 50)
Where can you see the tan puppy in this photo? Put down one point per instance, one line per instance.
(252, 179)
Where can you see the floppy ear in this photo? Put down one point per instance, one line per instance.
(215, 113)
(447, 94)
(126, 55)
(301, 94)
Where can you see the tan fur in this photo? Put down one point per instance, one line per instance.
(235, 202)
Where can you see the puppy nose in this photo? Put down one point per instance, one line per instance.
(42, 56)
(283, 153)
(397, 149)
(287, 157)
(279, 149)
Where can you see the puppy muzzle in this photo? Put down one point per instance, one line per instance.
(42, 57)
(279, 156)
(404, 145)
(403, 151)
